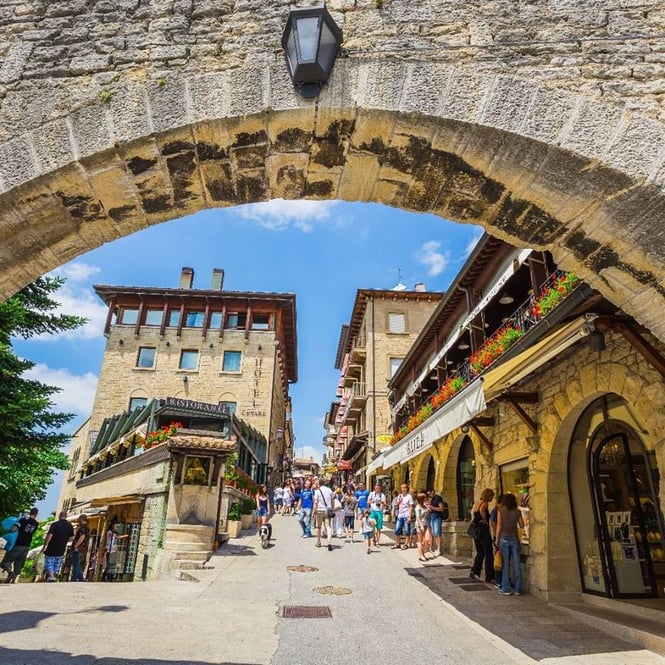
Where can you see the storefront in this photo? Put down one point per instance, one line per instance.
(614, 489)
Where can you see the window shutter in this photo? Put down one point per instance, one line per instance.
(396, 322)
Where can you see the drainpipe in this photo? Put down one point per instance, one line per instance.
(373, 382)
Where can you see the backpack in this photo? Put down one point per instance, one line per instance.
(445, 511)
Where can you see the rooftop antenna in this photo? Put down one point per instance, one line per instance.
(399, 286)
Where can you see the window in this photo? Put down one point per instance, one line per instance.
(137, 403)
(229, 407)
(396, 322)
(130, 316)
(153, 317)
(236, 320)
(189, 360)
(261, 322)
(231, 362)
(394, 365)
(174, 318)
(194, 320)
(146, 357)
(216, 320)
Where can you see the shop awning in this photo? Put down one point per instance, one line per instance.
(116, 500)
(361, 471)
(376, 464)
(459, 410)
(508, 373)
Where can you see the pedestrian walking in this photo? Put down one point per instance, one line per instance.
(305, 506)
(278, 497)
(262, 507)
(362, 496)
(438, 512)
(350, 503)
(404, 512)
(421, 513)
(394, 501)
(508, 519)
(482, 537)
(14, 559)
(55, 543)
(323, 512)
(79, 549)
(338, 519)
(287, 498)
(377, 504)
(367, 527)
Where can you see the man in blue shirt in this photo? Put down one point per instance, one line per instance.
(361, 495)
(305, 505)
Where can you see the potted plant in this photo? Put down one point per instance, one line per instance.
(234, 521)
(247, 509)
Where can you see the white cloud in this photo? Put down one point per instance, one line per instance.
(76, 297)
(280, 214)
(430, 256)
(472, 243)
(78, 392)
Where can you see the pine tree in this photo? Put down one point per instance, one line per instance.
(31, 436)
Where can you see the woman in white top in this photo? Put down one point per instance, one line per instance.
(422, 523)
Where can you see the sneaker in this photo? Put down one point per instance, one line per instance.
(368, 551)
(329, 548)
(505, 593)
(436, 553)
(518, 593)
(473, 576)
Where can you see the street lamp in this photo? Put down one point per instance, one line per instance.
(310, 41)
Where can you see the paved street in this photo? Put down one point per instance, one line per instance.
(397, 610)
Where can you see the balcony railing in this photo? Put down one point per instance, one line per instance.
(554, 290)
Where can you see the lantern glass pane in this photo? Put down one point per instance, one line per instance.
(308, 38)
(327, 49)
(291, 55)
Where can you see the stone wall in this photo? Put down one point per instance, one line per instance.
(565, 386)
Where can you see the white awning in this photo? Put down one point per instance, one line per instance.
(376, 464)
(459, 410)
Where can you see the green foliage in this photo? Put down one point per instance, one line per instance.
(31, 431)
(235, 512)
(247, 506)
(161, 82)
(106, 96)
(230, 470)
(378, 4)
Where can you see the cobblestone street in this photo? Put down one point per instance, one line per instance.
(231, 612)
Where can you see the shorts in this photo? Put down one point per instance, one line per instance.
(52, 566)
(402, 526)
(377, 516)
(262, 512)
(278, 503)
(321, 518)
(367, 535)
(349, 521)
(435, 525)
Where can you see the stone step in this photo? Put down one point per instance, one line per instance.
(183, 546)
(188, 533)
(192, 556)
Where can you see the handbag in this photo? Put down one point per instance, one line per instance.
(498, 561)
(330, 513)
(474, 529)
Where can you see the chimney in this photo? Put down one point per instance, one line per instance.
(186, 278)
(217, 279)
(420, 287)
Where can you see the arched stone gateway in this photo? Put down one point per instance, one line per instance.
(127, 114)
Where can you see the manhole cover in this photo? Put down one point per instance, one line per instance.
(474, 587)
(306, 612)
(302, 569)
(460, 580)
(332, 590)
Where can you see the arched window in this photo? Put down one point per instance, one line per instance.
(466, 479)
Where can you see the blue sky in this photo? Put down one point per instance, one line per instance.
(321, 251)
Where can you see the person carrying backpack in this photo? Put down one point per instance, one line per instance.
(14, 559)
(438, 511)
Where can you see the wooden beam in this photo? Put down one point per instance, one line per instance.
(644, 348)
(482, 421)
(481, 436)
(519, 398)
(526, 418)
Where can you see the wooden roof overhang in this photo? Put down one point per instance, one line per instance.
(284, 303)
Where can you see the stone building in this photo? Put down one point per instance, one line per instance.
(526, 380)
(213, 365)
(384, 324)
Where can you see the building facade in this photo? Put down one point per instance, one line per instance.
(527, 381)
(383, 326)
(211, 369)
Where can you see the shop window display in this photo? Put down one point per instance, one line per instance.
(515, 479)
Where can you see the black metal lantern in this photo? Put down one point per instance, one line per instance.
(310, 41)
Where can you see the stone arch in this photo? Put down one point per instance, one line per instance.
(421, 469)
(535, 165)
(560, 579)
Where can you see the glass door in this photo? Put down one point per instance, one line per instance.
(627, 522)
